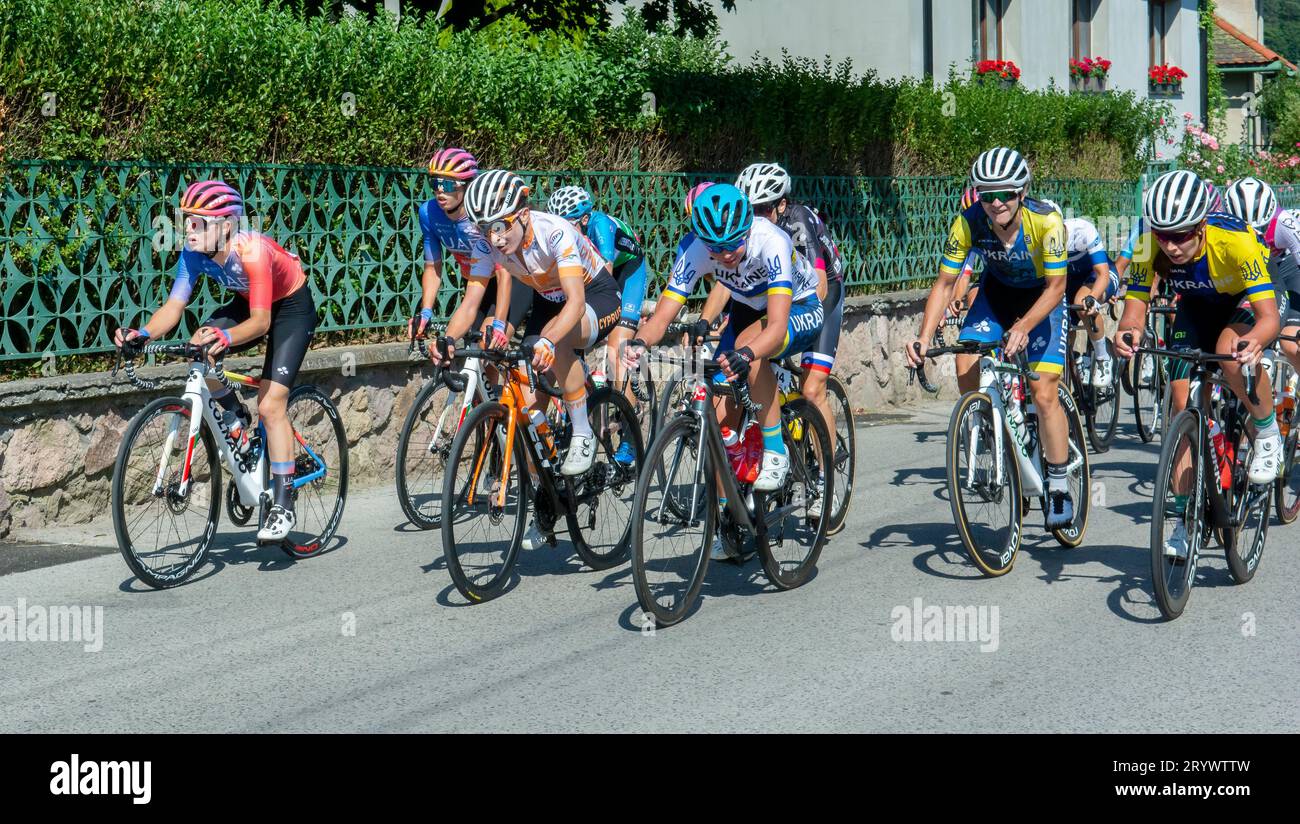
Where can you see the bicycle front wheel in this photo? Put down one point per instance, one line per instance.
(984, 487)
(484, 502)
(1178, 518)
(1103, 413)
(1287, 486)
(671, 540)
(791, 538)
(165, 512)
(422, 451)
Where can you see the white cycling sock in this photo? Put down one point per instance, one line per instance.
(578, 416)
(1102, 348)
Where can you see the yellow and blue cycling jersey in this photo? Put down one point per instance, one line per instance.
(1232, 264)
(1038, 253)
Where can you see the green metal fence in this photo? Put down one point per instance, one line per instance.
(86, 247)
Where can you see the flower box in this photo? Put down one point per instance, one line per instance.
(1089, 74)
(1166, 80)
(1003, 71)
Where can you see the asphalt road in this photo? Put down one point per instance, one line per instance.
(373, 637)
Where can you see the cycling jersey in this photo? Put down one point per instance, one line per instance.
(770, 266)
(812, 239)
(1037, 254)
(614, 239)
(257, 268)
(1083, 249)
(1283, 239)
(1231, 265)
(551, 250)
(459, 237)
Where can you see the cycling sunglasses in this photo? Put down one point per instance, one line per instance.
(501, 225)
(446, 185)
(1177, 237)
(723, 248)
(1006, 196)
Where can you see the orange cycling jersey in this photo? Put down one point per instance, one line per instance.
(551, 250)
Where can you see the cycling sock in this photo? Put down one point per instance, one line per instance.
(772, 441)
(1180, 504)
(577, 410)
(282, 483)
(1102, 348)
(1267, 427)
(1057, 479)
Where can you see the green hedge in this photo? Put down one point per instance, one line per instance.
(249, 81)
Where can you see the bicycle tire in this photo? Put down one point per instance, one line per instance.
(810, 419)
(314, 541)
(1287, 487)
(1010, 545)
(426, 515)
(1172, 600)
(601, 473)
(1072, 536)
(846, 467)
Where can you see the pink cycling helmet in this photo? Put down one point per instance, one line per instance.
(969, 196)
(212, 198)
(694, 193)
(454, 163)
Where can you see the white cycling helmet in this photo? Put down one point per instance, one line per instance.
(1000, 168)
(494, 194)
(570, 202)
(763, 183)
(1177, 200)
(1252, 200)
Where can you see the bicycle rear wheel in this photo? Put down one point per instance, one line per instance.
(164, 534)
(484, 505)
(1103, 413)
(422, 450)
(670, 551)
(1171, 575)
(320, 471)
(1080, 479)
(791, 539)
(600, 507)
(987, 509)
(1147, 391)
(845, 456)
(1250, 507)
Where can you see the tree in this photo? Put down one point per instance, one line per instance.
(1282, 27)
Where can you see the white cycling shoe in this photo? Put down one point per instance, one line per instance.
(717, 552)
(1176, 543)
(1264, 464)
(534, 538)
(815, 508)
(776, 466)
(582, 454)
(278, 523)
(1103, 373)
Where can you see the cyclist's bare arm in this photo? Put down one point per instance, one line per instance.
(463, 318)
(161, 322)
(935, 306)
(1131, 323)
(652, 329)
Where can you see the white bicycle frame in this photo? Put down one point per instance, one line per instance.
(472, 371)
(248, 484)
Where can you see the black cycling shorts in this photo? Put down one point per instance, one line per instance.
(1198, 325)
(603, 308)
(1288, 306)
(293, 322)
(521, 300)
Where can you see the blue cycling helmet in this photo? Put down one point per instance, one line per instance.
(570, 202)
(721, 215)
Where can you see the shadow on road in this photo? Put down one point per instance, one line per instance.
(235, 550)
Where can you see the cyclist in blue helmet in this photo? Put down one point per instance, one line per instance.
(774, 308)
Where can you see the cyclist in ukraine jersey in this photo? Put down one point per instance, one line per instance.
(1211, 261)
(272, 300)
(1089, 273)
(1020, 300)
(774, 309)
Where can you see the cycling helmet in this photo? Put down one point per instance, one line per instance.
(1216, 199)
(456, 164)
(1177, 200)
(1000, 168)
(721, 215)
(570, 202)
(693, 193)
(969, 197)
(1252, 200)
(212, 198)
(764, 183)
(495, 194)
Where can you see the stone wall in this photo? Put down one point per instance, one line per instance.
(59, 436)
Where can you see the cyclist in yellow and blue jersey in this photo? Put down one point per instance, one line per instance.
(1212, 261)
(1021, 298)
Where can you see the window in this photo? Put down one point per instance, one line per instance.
(1161, 23)
(988, 28)
(1082, 12)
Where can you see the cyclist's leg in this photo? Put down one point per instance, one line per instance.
(228, 317)
(820, 358)
(1240, 324)
(631, 278)
(1046, 355)
(802, 328)
(600, 314)
(293, 322)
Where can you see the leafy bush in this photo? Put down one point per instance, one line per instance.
(249, 81)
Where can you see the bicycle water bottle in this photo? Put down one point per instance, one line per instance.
(753, 452)
(1287, 410)
(598, 378)
(236, 422)
(1221, 454)
(735, 451)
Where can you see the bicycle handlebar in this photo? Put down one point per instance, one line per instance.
(520, 355)
(130, 349)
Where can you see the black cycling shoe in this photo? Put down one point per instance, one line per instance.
(1060, 510)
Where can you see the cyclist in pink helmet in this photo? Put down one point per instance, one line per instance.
(271, 300)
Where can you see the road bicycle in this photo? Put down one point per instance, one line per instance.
(1150, 373)
(1283, 378)
(505, 460)
(995, 465)
(1099, 405)
(166, 492)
